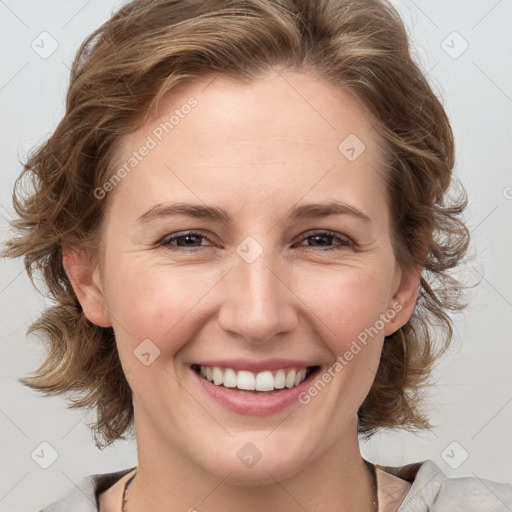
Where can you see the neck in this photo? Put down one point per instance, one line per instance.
(338, 480)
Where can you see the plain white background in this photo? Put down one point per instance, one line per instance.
(465, 47)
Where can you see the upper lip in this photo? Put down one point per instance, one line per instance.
(256, 366)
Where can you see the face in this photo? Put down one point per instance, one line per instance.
(214, 256)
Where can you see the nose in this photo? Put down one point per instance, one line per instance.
(258, 302)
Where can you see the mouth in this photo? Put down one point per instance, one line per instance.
(267, 382)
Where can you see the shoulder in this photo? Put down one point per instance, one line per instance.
(432, 491)
(83, 497)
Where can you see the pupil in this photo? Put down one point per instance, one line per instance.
(188, 237)
(320, 237)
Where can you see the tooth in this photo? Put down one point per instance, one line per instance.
(280, 379)
(300, 376)
(264, 381)
(229, 378)
(245, 380)
(290, 378)
(218, 375)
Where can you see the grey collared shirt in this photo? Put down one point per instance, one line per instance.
(431, 491)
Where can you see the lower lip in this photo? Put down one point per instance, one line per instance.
(256, 405)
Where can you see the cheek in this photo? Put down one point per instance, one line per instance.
(349, 309)
(156, 302)
(346, 307)
(347, 303)
(154, 312)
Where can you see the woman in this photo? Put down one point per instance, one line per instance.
(243, 220)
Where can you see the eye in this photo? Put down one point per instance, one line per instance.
(185, 239)
(328, 237)
(193, 239)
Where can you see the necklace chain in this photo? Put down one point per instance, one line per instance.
(371, 466)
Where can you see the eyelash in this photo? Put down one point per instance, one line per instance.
(344, 242)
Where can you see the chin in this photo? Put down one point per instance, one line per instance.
(249, 465)
(261, 473)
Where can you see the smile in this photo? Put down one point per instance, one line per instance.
(247, 382)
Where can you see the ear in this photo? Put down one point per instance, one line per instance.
(86, 282)
(404, 298)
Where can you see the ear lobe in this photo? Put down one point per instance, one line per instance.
(86, 283)
(405, 296)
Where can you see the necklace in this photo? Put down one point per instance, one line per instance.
(368, 464)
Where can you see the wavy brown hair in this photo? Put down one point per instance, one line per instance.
(119, 75)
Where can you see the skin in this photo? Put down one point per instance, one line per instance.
(255, 150)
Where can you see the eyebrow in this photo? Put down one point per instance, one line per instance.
(305, 211)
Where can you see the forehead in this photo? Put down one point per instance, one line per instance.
(284, 135)
(277, 104)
